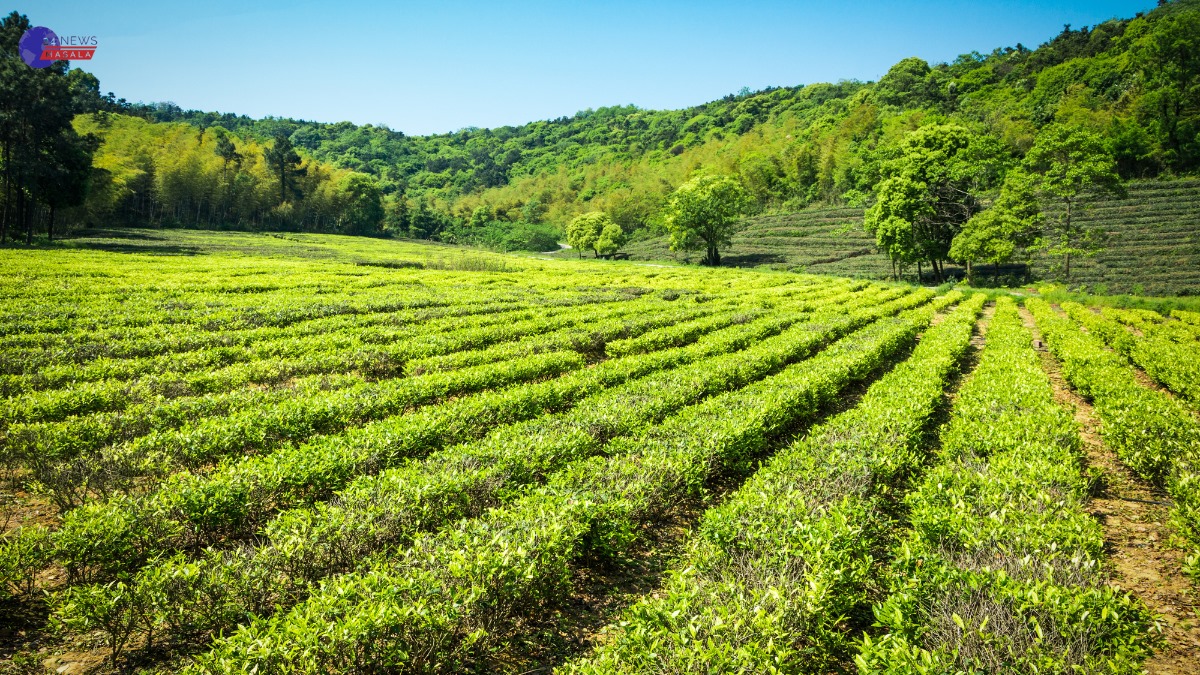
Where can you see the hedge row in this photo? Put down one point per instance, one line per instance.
(433, 602)
(1001, 570)
(774, 572)
(308, 544)
(1152, 432)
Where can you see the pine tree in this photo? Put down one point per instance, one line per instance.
(285, 164)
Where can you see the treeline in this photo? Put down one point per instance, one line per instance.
(179, 175)
(44, 164)
(71, 158)
(1134, 83)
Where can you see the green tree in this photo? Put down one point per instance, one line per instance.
(85, 92)
(584, 230)
(533, 211)
(362, 211)
(63, 180)
(703, 213)
(285, 164)
(763, 177)
(228, 153)
(911, 83)
(931, 186)
(424, 222)
(899, 202)
(1168, 55)
(39, 149)
(1071, 163)
(396, 214)
(611, 239)
(995, 235)
(481, 216)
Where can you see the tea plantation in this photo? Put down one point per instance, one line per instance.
(239, 453)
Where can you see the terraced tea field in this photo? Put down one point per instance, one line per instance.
(1152, 247)
(313, 454)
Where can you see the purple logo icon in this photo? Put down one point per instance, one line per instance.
(32, 43)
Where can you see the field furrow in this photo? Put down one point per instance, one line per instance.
(774, 572)
(1152, 432)
(305, 545)
(1002, 570)
(519, 555)
(235, 499)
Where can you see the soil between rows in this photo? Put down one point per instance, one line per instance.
(1137, 534)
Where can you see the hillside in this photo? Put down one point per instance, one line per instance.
(800, 153)
(1135, 81)
(821, 239)
(1153, 244)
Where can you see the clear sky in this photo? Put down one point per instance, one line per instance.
(443, 65)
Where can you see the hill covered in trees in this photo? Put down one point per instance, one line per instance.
(1133, 82)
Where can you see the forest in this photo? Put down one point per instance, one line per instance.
(1131, 85)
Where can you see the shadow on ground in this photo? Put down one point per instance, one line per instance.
(125, 241)
(750, 259)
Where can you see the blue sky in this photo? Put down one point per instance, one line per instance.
(440, 66)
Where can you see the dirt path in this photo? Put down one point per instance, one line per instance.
(1134, 517)
(985, 320)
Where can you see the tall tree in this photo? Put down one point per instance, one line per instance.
(63, 180)
(424, 222)
(703, 213)
(16, 79)
(1013, 222)
(909, 84)
(39, 148)
(362, 211)
(285, 164)
(228, 153)
(1168, 55)
(1070, 163)
(931, 186)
